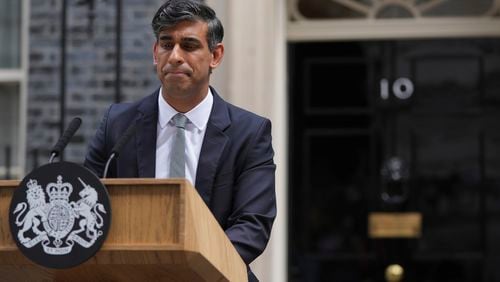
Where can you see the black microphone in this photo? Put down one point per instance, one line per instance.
(115, 152)
(64, 140)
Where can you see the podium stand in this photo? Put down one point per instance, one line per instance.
(161, 230)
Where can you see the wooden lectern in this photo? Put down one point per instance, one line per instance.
(161, 230)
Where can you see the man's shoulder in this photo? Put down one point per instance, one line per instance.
(244, 123)
(121, 110)
(238, 114)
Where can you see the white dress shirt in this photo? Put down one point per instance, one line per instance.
(195, 132)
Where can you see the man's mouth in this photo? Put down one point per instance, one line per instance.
(177, 72)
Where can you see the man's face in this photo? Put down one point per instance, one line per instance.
(183, 61)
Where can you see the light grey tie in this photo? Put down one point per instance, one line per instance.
(178, 160)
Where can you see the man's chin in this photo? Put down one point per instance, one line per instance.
(176, 91)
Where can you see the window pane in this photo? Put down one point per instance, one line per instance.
(10, 31)
(9, 128)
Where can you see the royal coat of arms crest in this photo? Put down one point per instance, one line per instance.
(52, 223)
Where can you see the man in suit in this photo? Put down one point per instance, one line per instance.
(228, 153)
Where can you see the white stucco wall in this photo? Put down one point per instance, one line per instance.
(253, 76)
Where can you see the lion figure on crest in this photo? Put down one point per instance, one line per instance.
(37, 206)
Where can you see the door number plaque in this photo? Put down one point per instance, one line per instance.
(394, 225)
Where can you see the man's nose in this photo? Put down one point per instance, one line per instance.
(176, 57)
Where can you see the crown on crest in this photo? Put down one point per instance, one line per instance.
(59, 190)
(33, 184)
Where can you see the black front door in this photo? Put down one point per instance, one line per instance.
(395, 126)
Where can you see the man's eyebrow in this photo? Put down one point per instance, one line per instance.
(190, 39)
(184, 39)
(165, 37)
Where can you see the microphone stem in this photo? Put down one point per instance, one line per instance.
(52, 156)
(107, 165)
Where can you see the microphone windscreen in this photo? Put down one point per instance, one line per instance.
(68, 133)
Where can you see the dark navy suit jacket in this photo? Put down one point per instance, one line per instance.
(235, 175)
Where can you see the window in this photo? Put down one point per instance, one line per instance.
(391, 19)
(10, 34)
(13, 81)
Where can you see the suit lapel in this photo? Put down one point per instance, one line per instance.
(213, 146)
(146, 136)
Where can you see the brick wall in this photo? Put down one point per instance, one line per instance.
(90, 68)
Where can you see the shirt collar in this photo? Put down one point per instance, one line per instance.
(198, 116)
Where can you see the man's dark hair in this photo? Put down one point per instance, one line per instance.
(173, 12)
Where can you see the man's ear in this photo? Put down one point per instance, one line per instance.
(217, 55)
(155, 58)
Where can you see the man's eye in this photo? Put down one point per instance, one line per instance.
(168, 46)
(189, 46)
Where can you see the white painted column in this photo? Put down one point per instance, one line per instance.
(253, 76)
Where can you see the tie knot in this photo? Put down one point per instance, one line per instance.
(180, 120)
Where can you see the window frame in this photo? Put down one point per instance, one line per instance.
(302, 29)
